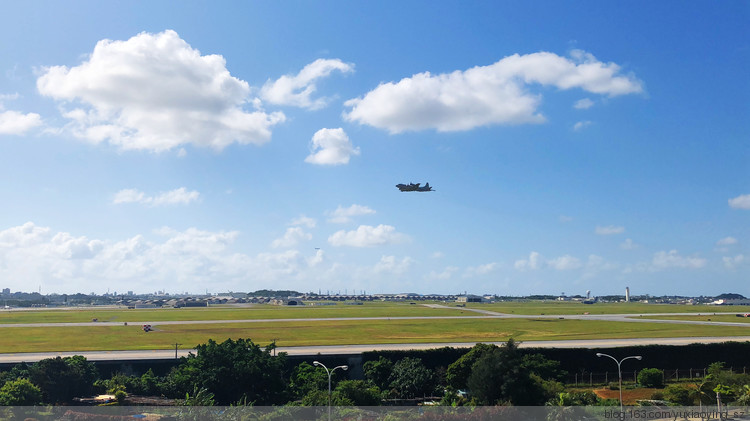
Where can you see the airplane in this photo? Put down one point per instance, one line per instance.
(414, 187)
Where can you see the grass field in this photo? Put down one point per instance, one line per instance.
(569, 307)
(256, 312)
(706, 318)
(336, 332)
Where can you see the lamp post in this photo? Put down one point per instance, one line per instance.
(330, 373)
(619, 371)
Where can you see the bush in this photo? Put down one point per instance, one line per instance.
(651, 377)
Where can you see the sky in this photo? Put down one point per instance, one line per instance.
(243, 145)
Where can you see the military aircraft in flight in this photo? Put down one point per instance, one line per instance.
(414, 187)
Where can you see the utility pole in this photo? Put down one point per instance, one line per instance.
(175, 350)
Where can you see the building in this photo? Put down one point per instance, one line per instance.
(469, 299)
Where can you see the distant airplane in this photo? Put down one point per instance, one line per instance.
(414, 187)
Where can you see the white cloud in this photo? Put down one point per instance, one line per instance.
(609, 230)
(740, 202)
(581, 125)
(331, 147)
(445, 275)
(366, 236)
(297, 90)
(727, 241)
(480, 270)
(392, 265)
(16, 123)
(304, 220)
(179, 196)
(566, 262)
(672, 259)
(583, 104)
(292, 237)
(628, 244)
(345, 215)
(484, 95)
(565, 218)
(155, 92)
(534, 262)
(731, 263)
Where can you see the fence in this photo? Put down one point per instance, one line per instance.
(587, 378)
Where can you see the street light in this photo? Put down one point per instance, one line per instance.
(619, 372)
(330, 373)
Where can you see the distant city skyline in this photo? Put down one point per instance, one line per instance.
(245, 146)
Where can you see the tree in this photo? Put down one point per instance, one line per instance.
(651, 377)
(378, 372)
(498, 377)
(457, 374)
(357, 393)
(410, 378)
(233, 371)
(20, 392)
(62, 379)
(306, 378)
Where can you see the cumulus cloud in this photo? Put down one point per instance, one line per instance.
(583, 104)
(473, 271)
(292, 237)
(366, 236)
(740, 202)
(731, 263)
(672, 259)
(581, 125)
(345, 215)
(485, 95)
(727, 241)
(297, 90)
(179, 196)
(628, 244)
(390, 264)
(534, 262)
(566, 262)
(303, 220)
(609, 230)
(155, 92)
(446, 274)
(15, 122)
(331, 147)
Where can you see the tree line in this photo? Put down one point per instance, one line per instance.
(240, 372)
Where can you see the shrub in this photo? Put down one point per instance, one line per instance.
(651, 377)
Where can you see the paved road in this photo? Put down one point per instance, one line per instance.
(356, 349)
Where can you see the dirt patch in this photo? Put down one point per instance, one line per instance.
(629, 396)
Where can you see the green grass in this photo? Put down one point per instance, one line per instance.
(706, 318)
(332, 332)
(569, 307)
(256, 312)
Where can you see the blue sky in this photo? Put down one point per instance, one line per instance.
(236, 146)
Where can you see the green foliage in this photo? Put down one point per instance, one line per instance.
(20, 392)
(315, 398)
(120, 396)
(200, 397)
(358, 392)
(232, 371)
(543, 367)
(306, 378)
(497, 378)
(457, 374)
(62, 379)
(378, 372)
(410, 379)
(651, 377)
(680, 394)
